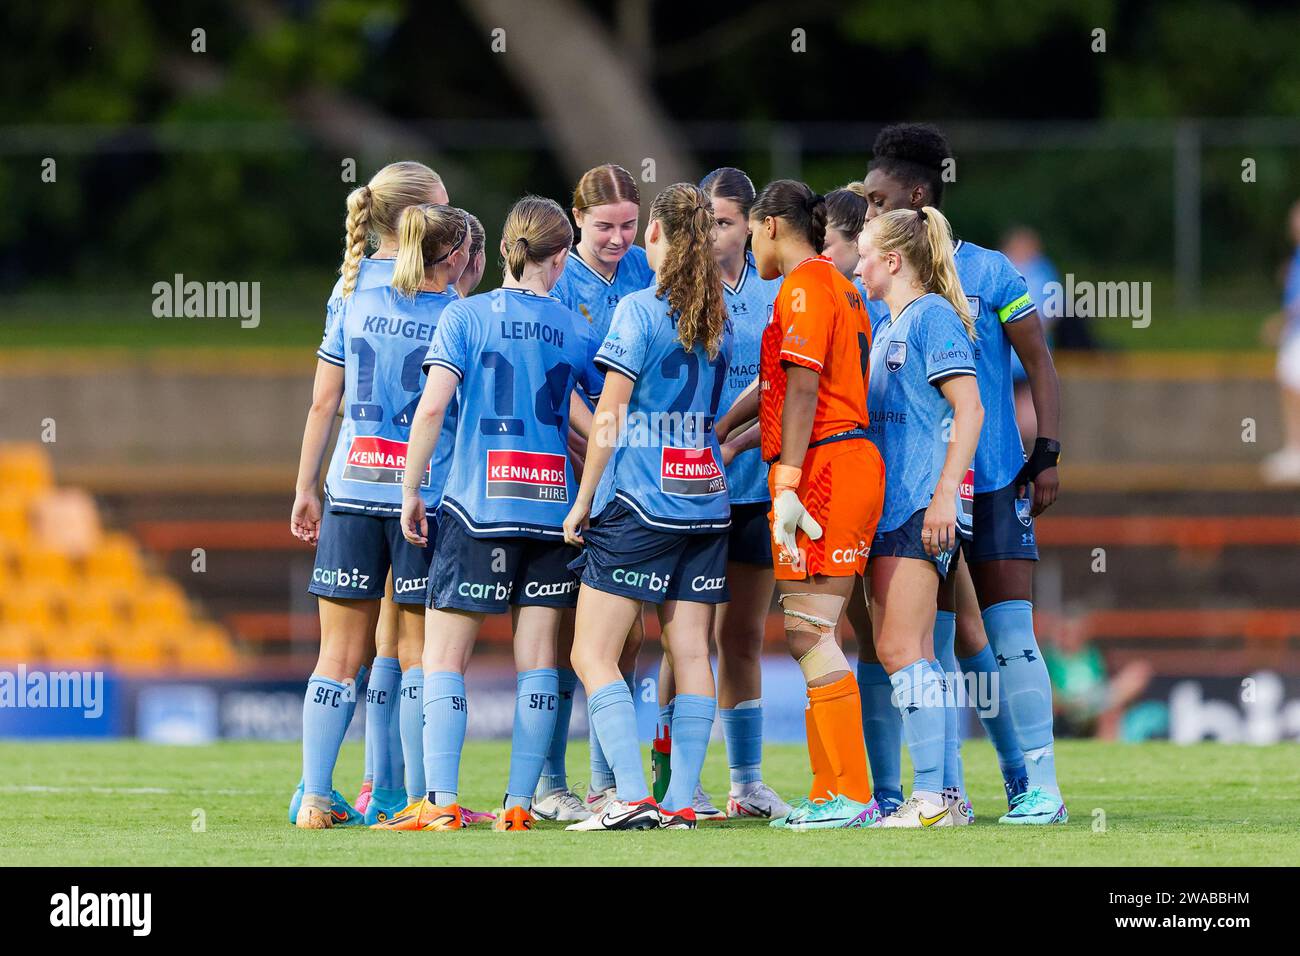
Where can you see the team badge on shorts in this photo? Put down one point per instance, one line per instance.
(1023, 508)
(895, 356)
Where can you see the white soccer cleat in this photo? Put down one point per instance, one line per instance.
(963, 814)
(705, 811)
(597, 799)
(562, 805)
(917, 813)
(760, 803)
(617, 815)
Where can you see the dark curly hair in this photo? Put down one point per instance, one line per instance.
(912, 153)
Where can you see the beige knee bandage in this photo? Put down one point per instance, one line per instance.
(816, 614)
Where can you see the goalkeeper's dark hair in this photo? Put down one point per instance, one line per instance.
(913, 153)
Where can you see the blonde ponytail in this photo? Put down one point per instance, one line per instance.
(924, 238)
(426, 235)
(374, 210)
(536, 228)
(360, 202)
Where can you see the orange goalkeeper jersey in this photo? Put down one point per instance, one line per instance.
(818, 321)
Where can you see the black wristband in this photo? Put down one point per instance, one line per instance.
(1046, 454)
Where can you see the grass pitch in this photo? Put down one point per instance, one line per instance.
(131, 803)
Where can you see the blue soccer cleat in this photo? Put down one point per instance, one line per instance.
(1036, 807)
(384, 805)
(342, 813)
(1014, 788)
(295, 803)
(888, 801)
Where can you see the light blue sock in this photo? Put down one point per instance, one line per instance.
(945, 663)
(692, 724)
(990, 695)
(445, 716)
(602, 775)
(410, 724)
(535, 710)
(554, 776)
(882, 727)
(381, 703)
(613, 715)
(369, 772)
(1010, 626)
(325, 710)
(920, 701)
(742, 728)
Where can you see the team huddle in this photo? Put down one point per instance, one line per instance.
(779, 393)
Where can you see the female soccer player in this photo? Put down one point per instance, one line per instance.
(738, 624)
(922, 371)
(659, 531)
(606, 265)
(373, 211)
(906, 172)
(826, 480)
(367, 358)
(515, 355)
(846, 210)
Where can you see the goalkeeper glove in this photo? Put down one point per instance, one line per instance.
(788, 512)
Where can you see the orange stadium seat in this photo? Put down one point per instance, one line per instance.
(14, 526)
(34, 608)
(18, 646)
(160, 603)
(137, 650)
(95, 606)
(78, 646)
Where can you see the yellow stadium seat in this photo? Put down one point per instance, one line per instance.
(25, 469)
(137, 650)
(116, 561)
(80, 646)
(160, 603)
(33, 608)
(42, 568)
(14, 526)
(95, 607)
(206, 647)
(18, 646)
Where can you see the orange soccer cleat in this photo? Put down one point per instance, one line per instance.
(516, 818)
(424, 816)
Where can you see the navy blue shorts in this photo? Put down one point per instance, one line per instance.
(750, 539)
(625, 557)
(905, 542)
(355, 552)
(493, 574)
(1004, 528)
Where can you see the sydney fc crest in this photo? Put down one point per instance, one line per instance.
(895, 356)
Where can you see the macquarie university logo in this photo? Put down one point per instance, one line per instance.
(378, 461)
(530, 475)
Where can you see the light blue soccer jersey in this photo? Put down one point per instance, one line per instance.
(749, 304)
(667, 467)
(380, 338)
(518, 356)
(997, 294)
(370, 273)
(591, 295)
(909, 356)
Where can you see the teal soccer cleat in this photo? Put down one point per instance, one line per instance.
(1036, 807)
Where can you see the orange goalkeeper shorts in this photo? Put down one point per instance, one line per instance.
(843, 488)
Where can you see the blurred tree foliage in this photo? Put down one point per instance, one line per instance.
(262, 190)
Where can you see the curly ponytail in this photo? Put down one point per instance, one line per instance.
(688, 276)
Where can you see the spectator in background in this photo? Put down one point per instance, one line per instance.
(1283, 330)
(1024, 248)
(1088, 700)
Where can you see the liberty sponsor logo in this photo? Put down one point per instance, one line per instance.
(895, 356)
(690, 471)
(208, 300)
(341, 578)
(642, 579)
(949, 351)
(554, 589)
(380, 461)
(530, 475)
(77, 690)
(77, 909)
